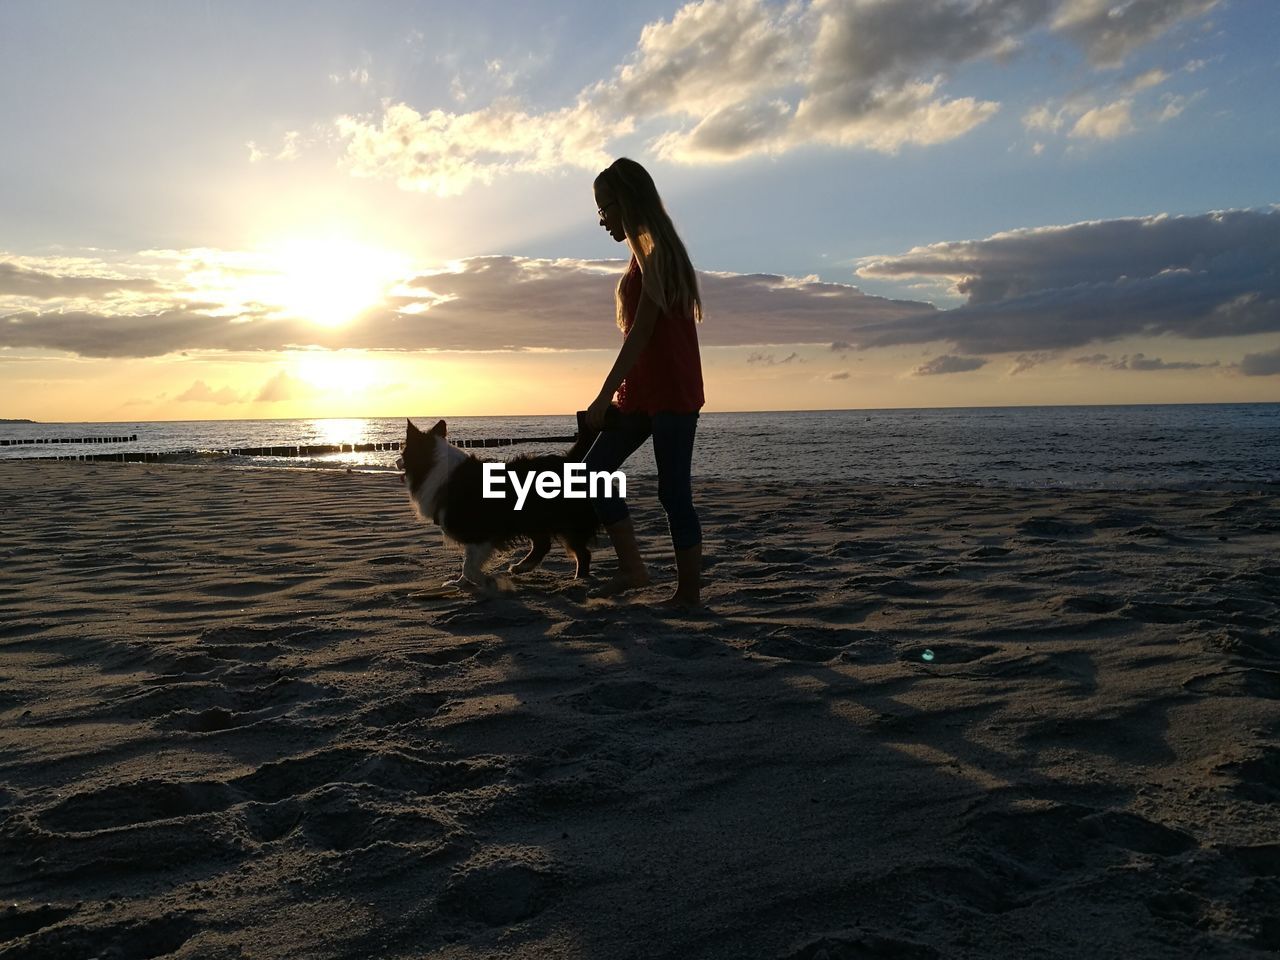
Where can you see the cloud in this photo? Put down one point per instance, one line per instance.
(722, 80)
(201, 392)
(1026, 361)
(1112, 109)
(1175, 104)
(290, 148)
(1141, 362)
(1042, 118)
(841, 375)
(99, 334)
(481, 304)
(1092, 360)
(1106, 122)
(279, 388)
(1148, 79)
(769, 360)
(1265, 364)
(444, 153)
(1110, 31)
(1061, 287)
(1087, 119)
(20, 281)
(948, 363)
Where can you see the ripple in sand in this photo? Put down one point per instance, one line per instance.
(1089, 603)
(786, 648)
(391, 770)
(988, 553)
(139, 801)
(1247, 682)
(1053, 528)
(16, 922)
(944, 653)
(135, 939)
(445, 655)
(406, 708)
(684, 647)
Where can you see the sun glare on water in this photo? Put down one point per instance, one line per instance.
(329, 281)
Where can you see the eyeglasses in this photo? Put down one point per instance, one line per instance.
(601, 210)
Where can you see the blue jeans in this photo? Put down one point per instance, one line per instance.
(673, 452)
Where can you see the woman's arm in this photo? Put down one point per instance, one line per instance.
(647, 312)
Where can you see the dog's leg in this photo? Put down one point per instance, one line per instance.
(473, 566)
(537, 550)
(581, 554)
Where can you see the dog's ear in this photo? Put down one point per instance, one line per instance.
(411, 430)
(439, 429)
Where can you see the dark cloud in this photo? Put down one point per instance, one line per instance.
(1092, 360)
(769, 360)
(948, 364)
(1140, 361)
(1053, 288)
(1265, 364)
(842, 375)
(101, 335)
(1026, 361)
(19, 281)
(491, 303)
(1109, 32)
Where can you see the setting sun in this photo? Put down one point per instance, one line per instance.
(327, 280)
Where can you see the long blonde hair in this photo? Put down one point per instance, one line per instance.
(669, 277)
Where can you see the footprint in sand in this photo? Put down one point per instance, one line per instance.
(856, 945)
(501, 893)
(618, 696)
(1257, 778)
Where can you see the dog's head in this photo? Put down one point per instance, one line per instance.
(420, 453)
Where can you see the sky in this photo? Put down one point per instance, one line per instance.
(219, 210)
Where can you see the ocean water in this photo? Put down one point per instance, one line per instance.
(1191, 446)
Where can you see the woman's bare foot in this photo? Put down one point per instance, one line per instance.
(682, 602)
(632, 573)
(688, 595)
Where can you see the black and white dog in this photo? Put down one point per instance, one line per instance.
(446, 488)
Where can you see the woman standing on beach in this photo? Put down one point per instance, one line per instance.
(657, 376)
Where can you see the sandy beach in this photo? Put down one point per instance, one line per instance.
(239, 720)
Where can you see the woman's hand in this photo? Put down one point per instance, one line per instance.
(595, 412)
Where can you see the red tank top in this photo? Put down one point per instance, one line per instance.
(668, 376)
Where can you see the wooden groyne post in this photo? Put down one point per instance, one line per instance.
(295, 450)
(39, 440)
